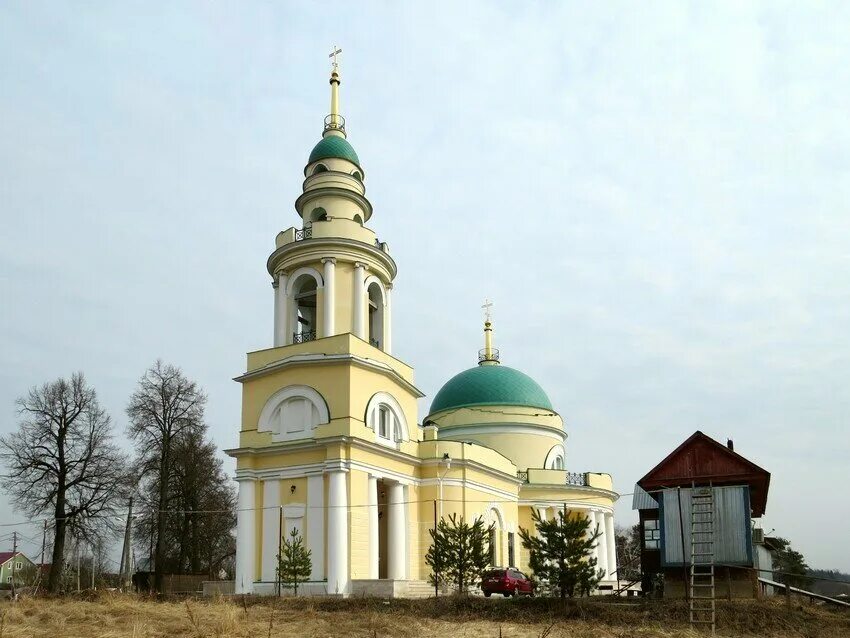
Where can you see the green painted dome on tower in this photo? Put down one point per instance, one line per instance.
(333, 146)
(490, 385)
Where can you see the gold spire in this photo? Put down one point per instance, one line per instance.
(334, 123)
(489, 355)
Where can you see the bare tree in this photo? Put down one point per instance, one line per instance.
(201, 509)
(165, 407)
(62, 460)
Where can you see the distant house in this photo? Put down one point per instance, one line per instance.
(697, 506)
(16, 563)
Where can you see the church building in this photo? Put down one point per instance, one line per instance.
(332, 443)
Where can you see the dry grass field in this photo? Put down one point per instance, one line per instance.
(120, 616)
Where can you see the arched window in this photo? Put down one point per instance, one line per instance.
(318, 215)
(304, 309)
(357, 176)
(385, 416)
(555, 458)
(293, 413)
(376, 314)
(320, 168)
(358, 219)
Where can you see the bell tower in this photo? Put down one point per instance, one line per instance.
(332, 275)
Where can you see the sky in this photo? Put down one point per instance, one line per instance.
(653, 195)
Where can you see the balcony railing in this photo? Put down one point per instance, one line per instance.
(483, 355)
(578, 479)
(335, 123)
(304, 233)
(303, 337)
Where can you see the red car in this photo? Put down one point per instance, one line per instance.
(508, 582)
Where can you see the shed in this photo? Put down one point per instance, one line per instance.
(663, 499)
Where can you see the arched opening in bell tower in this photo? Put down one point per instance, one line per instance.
(376, 315)
(304, 309)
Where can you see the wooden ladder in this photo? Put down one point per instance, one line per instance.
(702, 611)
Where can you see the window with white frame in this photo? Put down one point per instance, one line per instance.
(385, 417)
(293, 413)
(555, 458)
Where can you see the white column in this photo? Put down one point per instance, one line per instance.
(316, 525)
(281, 312)
(245, 550)
(541, 511)
(329, 305)
(591, 514)
(388, 325)
(395, 531)
(372, 501)
(337, 533)
(276, 326)
(602, 544)
(359, 300)
(612, 545)
(271, 529)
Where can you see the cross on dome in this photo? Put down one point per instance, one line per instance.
(333, 55)
(487, 313)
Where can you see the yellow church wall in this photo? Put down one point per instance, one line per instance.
(329, 380)
(282, 458)
(576, 495)
(344, 302)
(496, 414)
(417, 527)
(602, 481)
(378, 458)
(332, 179)
(525, 450)
(358, 539)
(337, 344)
(463, 451)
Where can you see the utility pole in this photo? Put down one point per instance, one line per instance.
(93, 564)
(78, 564)
(14, 555)
(126, 573)
(41, 560)
(436, 556)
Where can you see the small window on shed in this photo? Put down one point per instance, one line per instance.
(651, 534)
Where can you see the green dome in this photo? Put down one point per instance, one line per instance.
(490, 385)
(333, 146)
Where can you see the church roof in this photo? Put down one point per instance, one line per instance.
(334, 146)
(490, 385)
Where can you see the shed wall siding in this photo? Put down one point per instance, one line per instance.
(732, 535)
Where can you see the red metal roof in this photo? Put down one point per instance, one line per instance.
(701, 460)
(5, 556)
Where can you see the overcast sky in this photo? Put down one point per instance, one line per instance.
(654, 195)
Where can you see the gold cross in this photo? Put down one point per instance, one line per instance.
(333, 55)
(487, 305)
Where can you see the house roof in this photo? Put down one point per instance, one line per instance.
(6, 556)
(701, 460)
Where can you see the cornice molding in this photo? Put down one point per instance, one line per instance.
(328, 359)
(317, 249)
